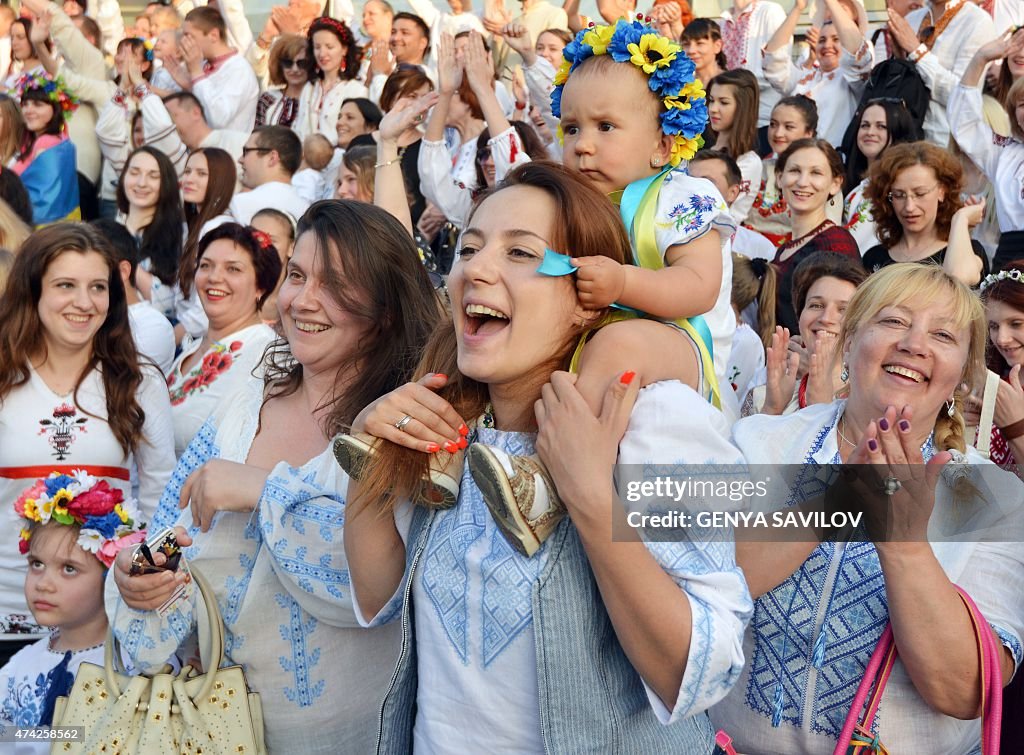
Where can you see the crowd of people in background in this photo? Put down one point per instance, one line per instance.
(367, 303)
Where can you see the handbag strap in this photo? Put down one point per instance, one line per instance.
(988, 409)
(112, 648)
(883, 649)
(991, 677)
(855, 735)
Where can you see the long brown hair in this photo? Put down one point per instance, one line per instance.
(371, 267)
(589, 225)
(887, 168)
(743, 132)
(755, 280)
(113, 349)
(220, 188)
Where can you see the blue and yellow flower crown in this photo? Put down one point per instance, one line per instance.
(669, 70)
(54, 87)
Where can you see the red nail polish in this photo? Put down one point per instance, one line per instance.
(440, 375)
(451, 446)
(463, 444)
(627, 377)
(433, 448)
(463, 430)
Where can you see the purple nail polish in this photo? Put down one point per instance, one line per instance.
(883, 425)
(904, 425)
(872, 445)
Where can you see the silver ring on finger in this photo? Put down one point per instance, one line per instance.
(891, 486)
(400, 425)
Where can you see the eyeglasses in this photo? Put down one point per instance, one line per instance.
(899, 197)
(289, 63)
(247, 150)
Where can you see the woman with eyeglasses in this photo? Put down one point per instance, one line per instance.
(882, 122)
(288, 69)
(915, 190)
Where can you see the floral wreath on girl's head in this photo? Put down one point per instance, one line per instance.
(670, 75)
(55, 89)
(108, 522)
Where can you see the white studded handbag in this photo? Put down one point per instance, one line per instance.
(165, 714)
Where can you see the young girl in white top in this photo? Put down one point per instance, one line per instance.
(1001, 159)
(335, 56)
(732, 111)
(625, 136)
(69, 541)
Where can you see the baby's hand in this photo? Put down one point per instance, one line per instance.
(599, 280)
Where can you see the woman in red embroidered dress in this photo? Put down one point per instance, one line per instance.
(810, 172)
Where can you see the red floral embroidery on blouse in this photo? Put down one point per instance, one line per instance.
(215, 363)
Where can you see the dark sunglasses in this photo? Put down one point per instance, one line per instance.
(289, 63)
(483, 154)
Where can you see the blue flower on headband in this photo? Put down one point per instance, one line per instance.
(669, 81)
(626, 33)
(576, 52)
(106, 525)
(556, 102)
(54, 484)
(690, 123)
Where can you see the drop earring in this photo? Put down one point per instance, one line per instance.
(845, 374)
(951, 408)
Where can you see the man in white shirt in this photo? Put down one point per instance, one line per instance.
(152, 332)
(270, 158)
(951, 32)
(746, 28)
(408, 46)
(225, 83)
(186, 112)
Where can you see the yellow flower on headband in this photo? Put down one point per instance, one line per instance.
(26, 535)
(31, 510)
(684, 149)
(653, 52)
(693, 89)
(62, 498)
(598, 38)
(562, 74)
(121, 514)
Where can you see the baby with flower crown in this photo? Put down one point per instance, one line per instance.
(74, 527)
(630, 112)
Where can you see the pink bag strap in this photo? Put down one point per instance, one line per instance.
(885, 647)
(856, 735)
(989, 653)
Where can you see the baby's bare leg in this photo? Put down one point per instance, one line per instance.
(654, 350)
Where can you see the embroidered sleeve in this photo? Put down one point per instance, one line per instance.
(942, 72)
(779, 70)
(454, 198)
(687, 209)
(301, 515)
(508, 152)
(856, 68)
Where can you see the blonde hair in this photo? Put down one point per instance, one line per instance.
(905, 282)
(6, 263)
(13, 230)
